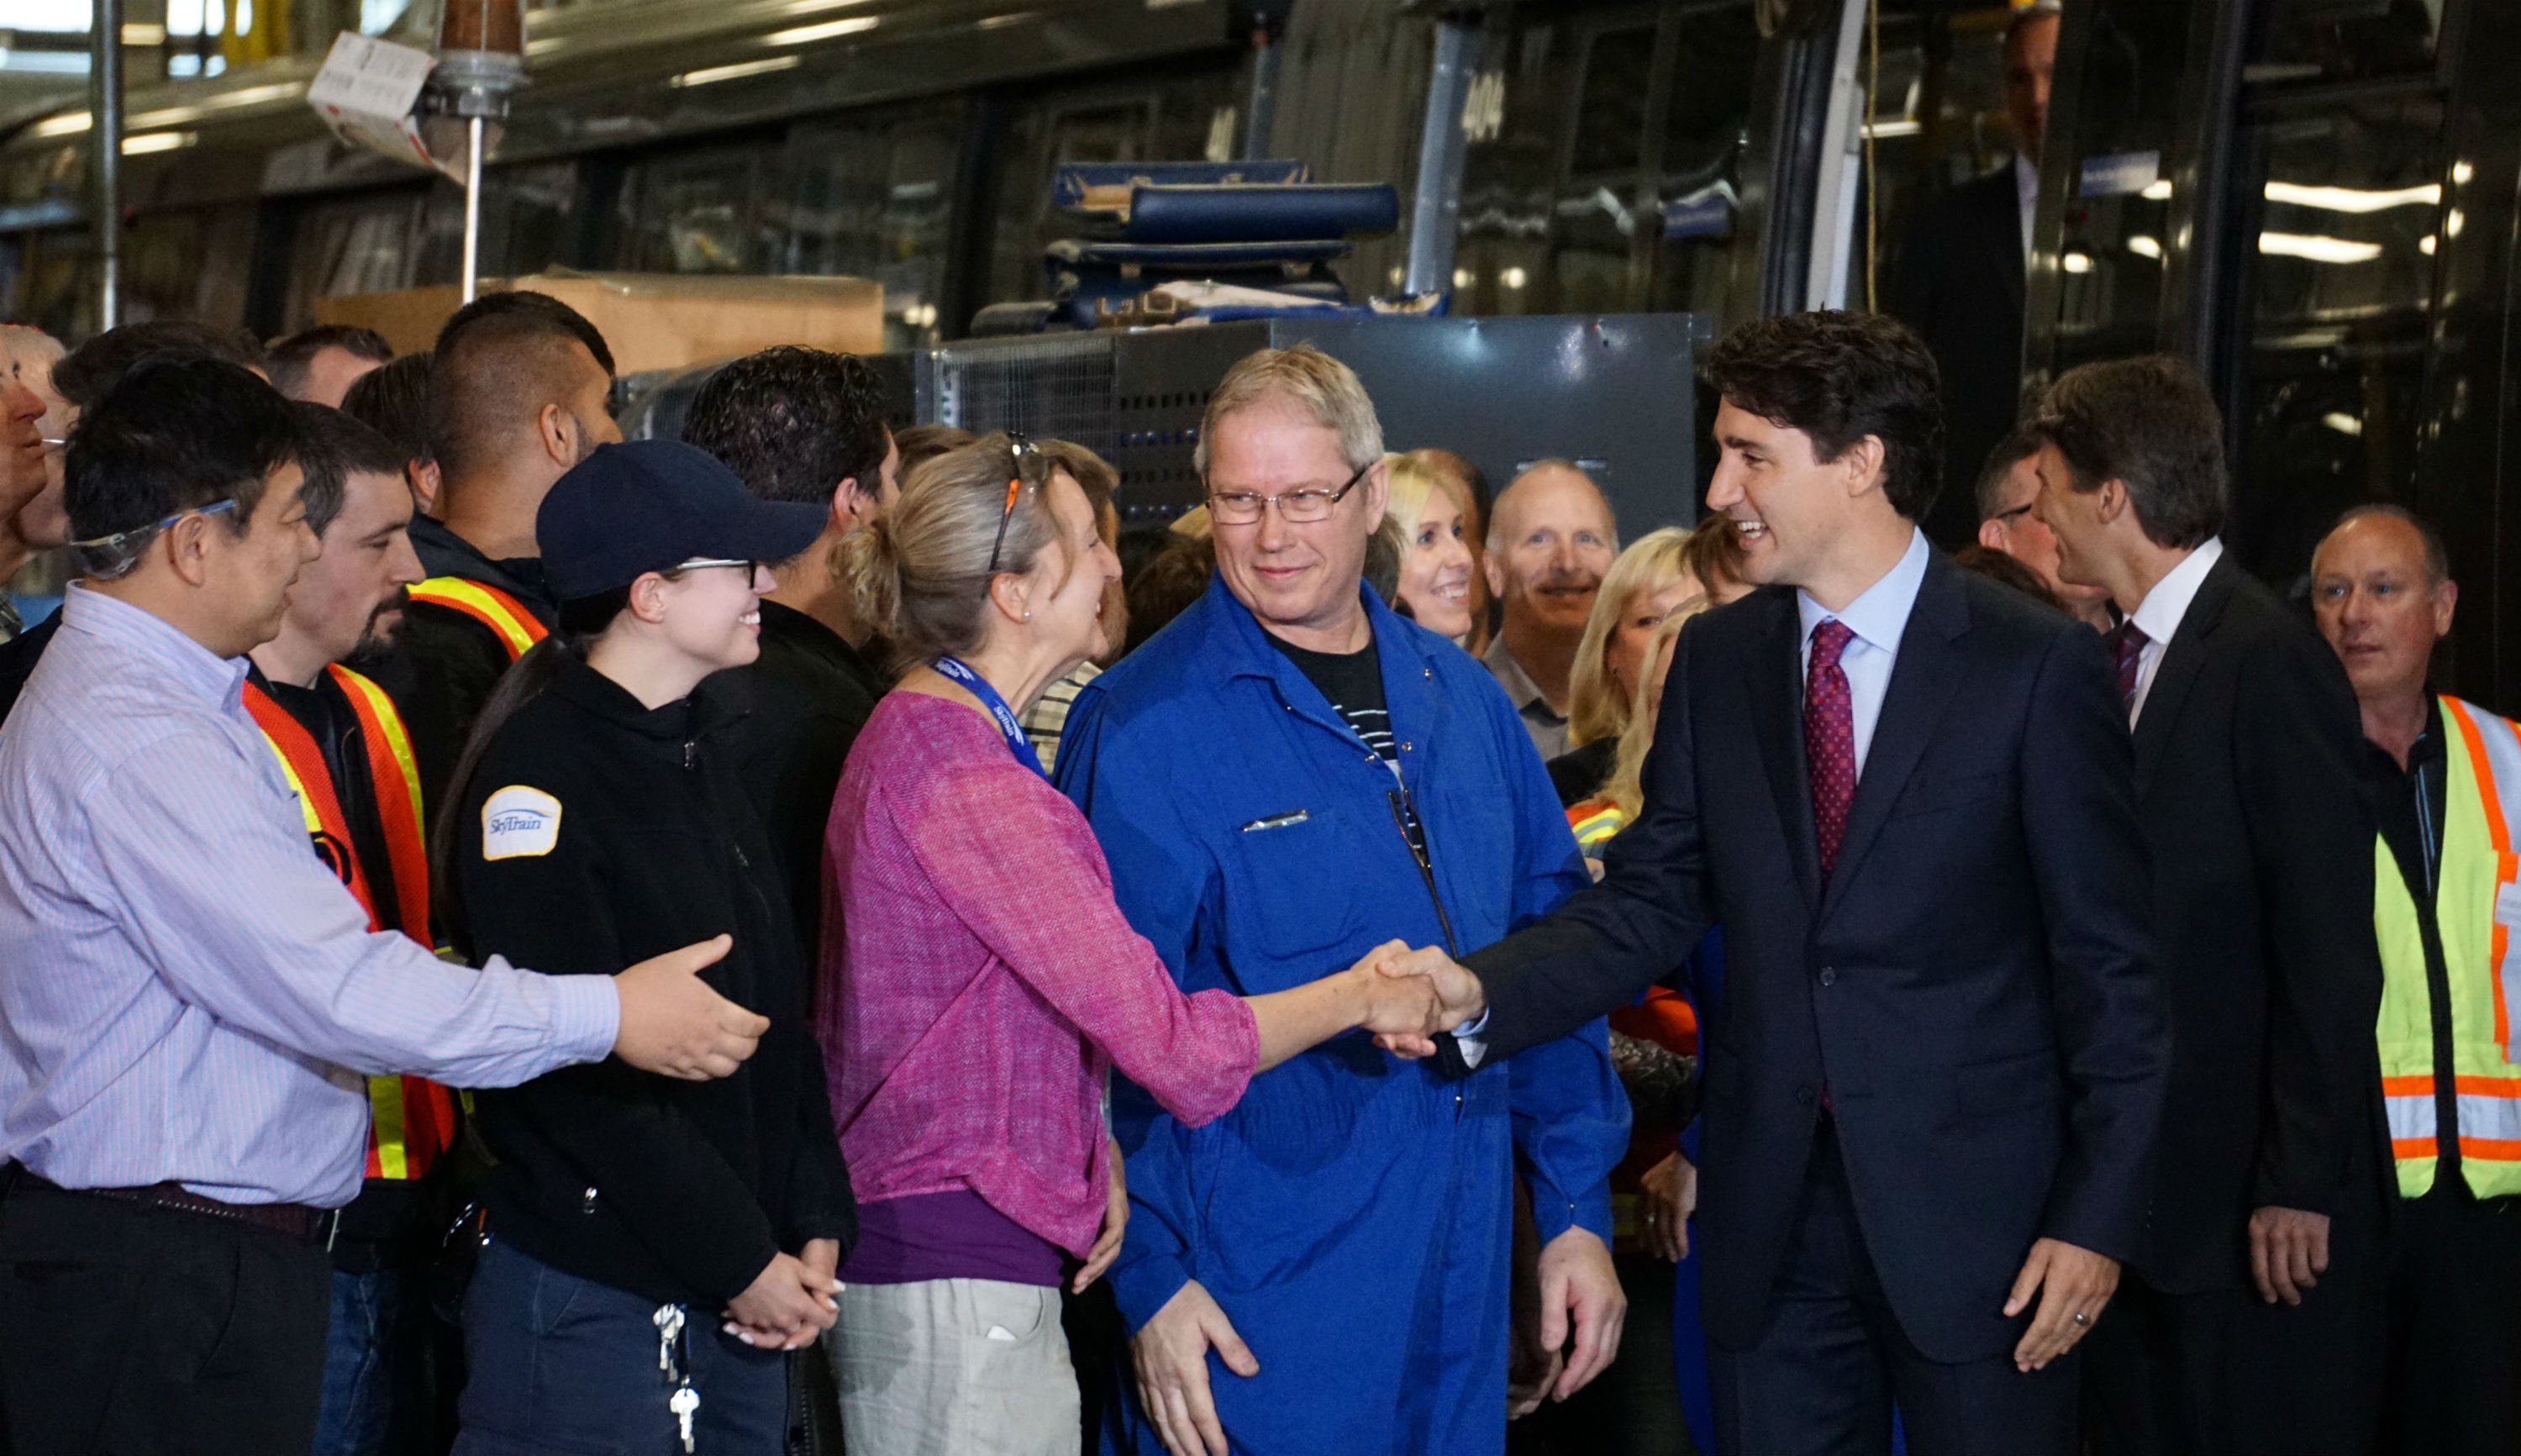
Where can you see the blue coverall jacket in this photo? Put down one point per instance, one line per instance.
(1352, 1214)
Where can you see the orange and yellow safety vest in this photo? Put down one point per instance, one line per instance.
(517, 627)
(2476, 903)
(412, 1121)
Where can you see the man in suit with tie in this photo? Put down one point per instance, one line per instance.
(1904, 792)
(2267, 1179)
(1958, 280)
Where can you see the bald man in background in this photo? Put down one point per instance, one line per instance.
(1551, 539)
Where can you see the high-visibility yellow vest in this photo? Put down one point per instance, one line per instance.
(518, 627)
(2475, 904)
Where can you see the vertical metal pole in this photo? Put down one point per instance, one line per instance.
(104, 164)
(472, 207)
(1434, 213)
(1263, 106)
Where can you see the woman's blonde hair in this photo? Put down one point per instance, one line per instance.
(1409, 483)
(1625, 787)
(919, 574)
(1595, 709)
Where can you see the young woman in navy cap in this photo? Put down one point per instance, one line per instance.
(653, 1244)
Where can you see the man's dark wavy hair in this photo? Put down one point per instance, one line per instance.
(793, 423)
(1838, 376)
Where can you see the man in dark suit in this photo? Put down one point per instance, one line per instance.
(2267, 1177)
(1904, 792)
(1958, 278)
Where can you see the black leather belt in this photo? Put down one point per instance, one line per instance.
(295, 1221)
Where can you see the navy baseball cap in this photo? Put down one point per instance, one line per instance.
(652, 505)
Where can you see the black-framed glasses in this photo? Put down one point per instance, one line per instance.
(698, 562)
(1021, 451)
(1295, 507)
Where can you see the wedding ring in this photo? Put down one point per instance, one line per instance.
(2082, 1318)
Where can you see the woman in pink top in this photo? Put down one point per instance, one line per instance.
(978, 981)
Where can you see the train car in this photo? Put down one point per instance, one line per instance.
(2313, 199)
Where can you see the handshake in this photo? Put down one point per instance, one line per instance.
(1406, 997)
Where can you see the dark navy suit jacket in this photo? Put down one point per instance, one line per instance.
(1971, 986)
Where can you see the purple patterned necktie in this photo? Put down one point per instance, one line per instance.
(2127, 645)
(1829, 738)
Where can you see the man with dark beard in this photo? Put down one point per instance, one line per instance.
(344, 747)
(517, 395)
(1551, 539)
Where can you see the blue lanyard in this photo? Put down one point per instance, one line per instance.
(953, 670)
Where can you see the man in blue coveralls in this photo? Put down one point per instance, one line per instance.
(1285, 777)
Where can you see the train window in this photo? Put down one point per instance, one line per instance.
(873, 198)
(1706, 132)
(1549, 200)
(691, 211)
(528, 218)
(357, 245)
(190, 264)
(2336, 40)
(2326, 399)
(2110, 255)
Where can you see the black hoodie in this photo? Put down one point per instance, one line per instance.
(620, 833)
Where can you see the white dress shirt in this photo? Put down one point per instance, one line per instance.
(2026, 196)
(1877, 618)
(2157, 615)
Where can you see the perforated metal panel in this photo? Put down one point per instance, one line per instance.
(1057, 385)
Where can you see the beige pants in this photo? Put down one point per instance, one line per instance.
(953, 1367)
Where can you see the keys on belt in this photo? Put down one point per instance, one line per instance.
(673, 1361)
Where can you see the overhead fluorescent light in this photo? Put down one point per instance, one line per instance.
(1896, 127)
(2343, 424)
(2357, 199)
(69, 123)
(827, 31)
(2319, 249)
(144, 143)
(139, 34)
(2157, 191)
(2426, 245)
(709, 74)
(2076, 262)
(1000, 21)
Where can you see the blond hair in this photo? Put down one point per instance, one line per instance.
(919, 574)
(1311, 380)
(1409, 483)
(1595, 709)
(1626, 785)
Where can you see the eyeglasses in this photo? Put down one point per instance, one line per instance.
(110, 556)
(1295, 507)
(1020, 450)
(700, 562)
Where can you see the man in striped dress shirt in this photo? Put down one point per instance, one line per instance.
(188, 999)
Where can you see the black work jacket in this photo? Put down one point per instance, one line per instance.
(623, 832)
(801, 706)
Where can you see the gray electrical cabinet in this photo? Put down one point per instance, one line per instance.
(1615, 393)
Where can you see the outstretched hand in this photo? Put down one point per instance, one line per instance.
(1458, 997)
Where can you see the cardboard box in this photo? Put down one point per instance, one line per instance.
(654, 320)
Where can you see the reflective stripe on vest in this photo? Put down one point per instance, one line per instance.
(2474, 897)
(412, 1119)
(516, 626)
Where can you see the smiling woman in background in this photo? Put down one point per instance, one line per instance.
(1436, 555)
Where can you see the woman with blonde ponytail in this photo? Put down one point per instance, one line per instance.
(978, 981)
